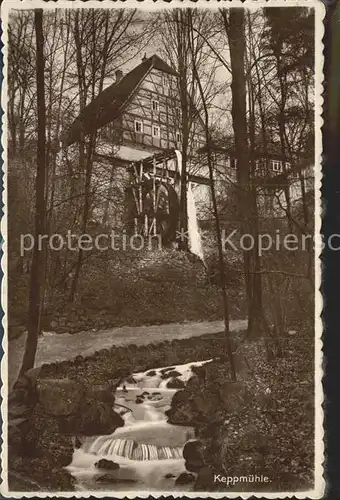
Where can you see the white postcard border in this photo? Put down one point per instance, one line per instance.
(320, 10)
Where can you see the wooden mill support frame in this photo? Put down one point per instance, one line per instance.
(152, 170)
(153, 178)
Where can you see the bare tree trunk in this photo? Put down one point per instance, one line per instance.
(105, 218)
(217, 219)
(281, 123)
(255, 308)
(183, 83)
(86, 214)
(234, 27)
(84, 164)
(51, 180)
(12, 121)
(40, 211)
(95, 83)
(178, 52)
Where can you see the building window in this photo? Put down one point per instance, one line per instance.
(155, 106)
(138, 126)
(165, 83)
(276, 166)
(155, 131)
(178, 137)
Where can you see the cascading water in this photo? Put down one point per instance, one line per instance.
(128, 448)
(195, 240)
(148, 450)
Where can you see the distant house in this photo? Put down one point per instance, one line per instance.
(271, 173)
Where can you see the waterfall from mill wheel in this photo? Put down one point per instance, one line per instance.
(195, 240)
(128, 448)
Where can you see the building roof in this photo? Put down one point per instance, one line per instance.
(110, 102)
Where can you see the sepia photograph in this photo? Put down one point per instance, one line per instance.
(161, 249)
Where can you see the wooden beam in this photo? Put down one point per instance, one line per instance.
(148, 165)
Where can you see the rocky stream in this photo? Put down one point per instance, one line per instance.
(147, 453)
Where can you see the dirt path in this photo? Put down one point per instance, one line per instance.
(59, 347)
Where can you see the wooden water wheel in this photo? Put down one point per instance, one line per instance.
(154, 209)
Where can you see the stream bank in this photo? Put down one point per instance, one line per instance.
(55, 348)
(95, 377)
(263, 424)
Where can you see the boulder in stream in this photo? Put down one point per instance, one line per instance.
(180, 412)
(170, 374)
(59, 397)
(175, 383)
(130, 380)
(193, 384)
(185, 478)
(193, 455)
(95, 418)
(106, 464)
(77, 443)
(167, 369)
(102, 392)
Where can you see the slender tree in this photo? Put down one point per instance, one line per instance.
(175, 47)
(40, 210)
(215, 208)
(234, 24)
(101, 38)
(177, 51)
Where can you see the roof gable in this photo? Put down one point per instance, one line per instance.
(110, 102)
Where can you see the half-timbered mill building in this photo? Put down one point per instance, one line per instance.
(138, 124)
